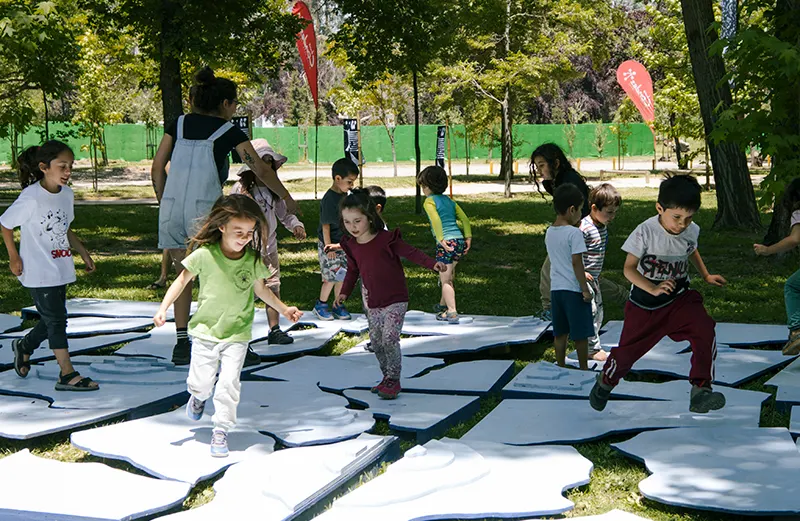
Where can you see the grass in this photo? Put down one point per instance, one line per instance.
(499, 277)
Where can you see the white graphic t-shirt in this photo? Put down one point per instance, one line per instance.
(43, 219)
(662, 256)
(795, 218)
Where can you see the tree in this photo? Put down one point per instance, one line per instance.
(600, 138)
(574, 116)
(765, 69)
(625, 115)
(254, 37)
(736, 203)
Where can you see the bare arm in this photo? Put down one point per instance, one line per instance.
(266, 174)
(787, 244)
(174, 291)
(158, 171)
(264, 293)
(14, 260)
(580, 274)
(77, 245)
(697, 262)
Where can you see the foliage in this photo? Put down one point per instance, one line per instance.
(625, 115)
(575, 115)
(600, 140)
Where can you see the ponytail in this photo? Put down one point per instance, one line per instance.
(208, 92)
(30, 158)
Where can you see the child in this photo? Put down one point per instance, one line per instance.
(274, 209)
(605, 201)
(550, 163)
(791, 289)
(332, 260)
(221, 328)
(44, 264)
(378, 196)
(451, 243)
(569, 291)
(375, 253)
(661, 303)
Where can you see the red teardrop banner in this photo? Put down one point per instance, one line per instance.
(307, 46)
(636, 82)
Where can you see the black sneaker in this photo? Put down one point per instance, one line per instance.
(368, 348)
(703, 400)
(251, 358)
(598, 397)
(182, 352)
(279, 337)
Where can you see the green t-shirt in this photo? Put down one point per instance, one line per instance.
(225, 306)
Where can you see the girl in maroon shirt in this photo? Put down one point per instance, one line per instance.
(374, 254)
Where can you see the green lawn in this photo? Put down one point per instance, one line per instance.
(500, 276)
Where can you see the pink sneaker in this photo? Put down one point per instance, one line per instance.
(374, 390)
(389, 389)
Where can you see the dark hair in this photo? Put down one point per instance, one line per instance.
(30, 158)
(208, 92)
(604, 195)
(377, 194)
(680, 191)
(344, 168)
(435, 178)
(791, 194)
(359, 199)
(552, 154)
(565, 197)
(226, 208)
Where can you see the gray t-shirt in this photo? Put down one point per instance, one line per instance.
(329, 214)
(662, 256)
(562, 243)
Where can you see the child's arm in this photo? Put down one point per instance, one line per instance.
(461, 216)
(580, 271)
(14, 260)
(787, 244)
(402, 249)
(436, 223)
(77, 245)
(289, 220)
(639, 280)
(330, 248)
(174, 291)
(350, 277)
(266, 174)
(697, 262)
(264, 293)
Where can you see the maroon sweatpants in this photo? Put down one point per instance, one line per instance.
(682, 320)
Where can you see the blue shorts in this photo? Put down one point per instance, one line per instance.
(571, 315)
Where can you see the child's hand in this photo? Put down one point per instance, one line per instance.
(469, 245)
(440, 267)
(299, 232)
(589, 276)
(446, 245)
(160, 319)
(665, 288)
(87, 259)
(587, 296)
(716, 280)
(292, 313)
(15, 264)
(339, 300)
(760, 249)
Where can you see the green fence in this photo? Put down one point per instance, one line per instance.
(129, 142)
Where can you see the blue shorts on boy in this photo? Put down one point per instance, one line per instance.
(571, 314)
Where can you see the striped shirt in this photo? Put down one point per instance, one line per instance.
(596, 238)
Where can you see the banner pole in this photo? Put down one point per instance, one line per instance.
(316, 148)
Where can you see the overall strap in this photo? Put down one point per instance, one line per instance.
(220, 131)
(180, 127)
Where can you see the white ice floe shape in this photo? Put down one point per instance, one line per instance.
(91, 326)
(108, 308)
(22, 418)
(9, 322)
(76, 346)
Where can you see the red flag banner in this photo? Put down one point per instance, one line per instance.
(307, 46)
(636, 82)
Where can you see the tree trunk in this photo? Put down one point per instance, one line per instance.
(46, 117)
(418, 197)
(394, 149)
(675, 138)
(170, 68)
(507, 148)
(736, 202)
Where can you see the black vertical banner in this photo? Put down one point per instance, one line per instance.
(243, 124)
(441, 132)
(351, 139)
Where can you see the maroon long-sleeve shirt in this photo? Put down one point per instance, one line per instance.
(378, 263)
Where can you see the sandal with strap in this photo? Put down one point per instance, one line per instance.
(19, 361)
(157, 285)
(84, 384)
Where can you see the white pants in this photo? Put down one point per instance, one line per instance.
(207, 358)
(597, 314)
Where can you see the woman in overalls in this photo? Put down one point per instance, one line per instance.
(196, 146)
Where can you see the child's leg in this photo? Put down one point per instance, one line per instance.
(597, 316)
(375, 321)
(165, 261)
(791, 293)
(448, 287)
(611, 291)
(544, 284)
(337, 289)
(560, 345)
(325, 291)
(392, 319)
(183, 303)
(689, 321)
(640, 332)
(203, 368)
(228, 389)
(582, 348)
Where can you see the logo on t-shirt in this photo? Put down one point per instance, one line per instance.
(243, 279)
(55, 225)
(655, 268)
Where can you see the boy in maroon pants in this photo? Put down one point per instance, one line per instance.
(661, 303)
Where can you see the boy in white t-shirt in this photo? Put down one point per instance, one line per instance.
(570, 298)
(661, 303)
(791, 290)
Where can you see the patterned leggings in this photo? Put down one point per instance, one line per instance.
(384, 334)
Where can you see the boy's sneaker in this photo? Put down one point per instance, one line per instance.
(251, 358)
(438, 308)
(219, 443)
(195, 408)
(321, 311)
(182, 352)
(374, 389)
(449, 317)
(703, 399)
(598, 397)
(279, 337)
(341, 313)
(389, 389)
(546, 315)
(792, 347)
(368, 347)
